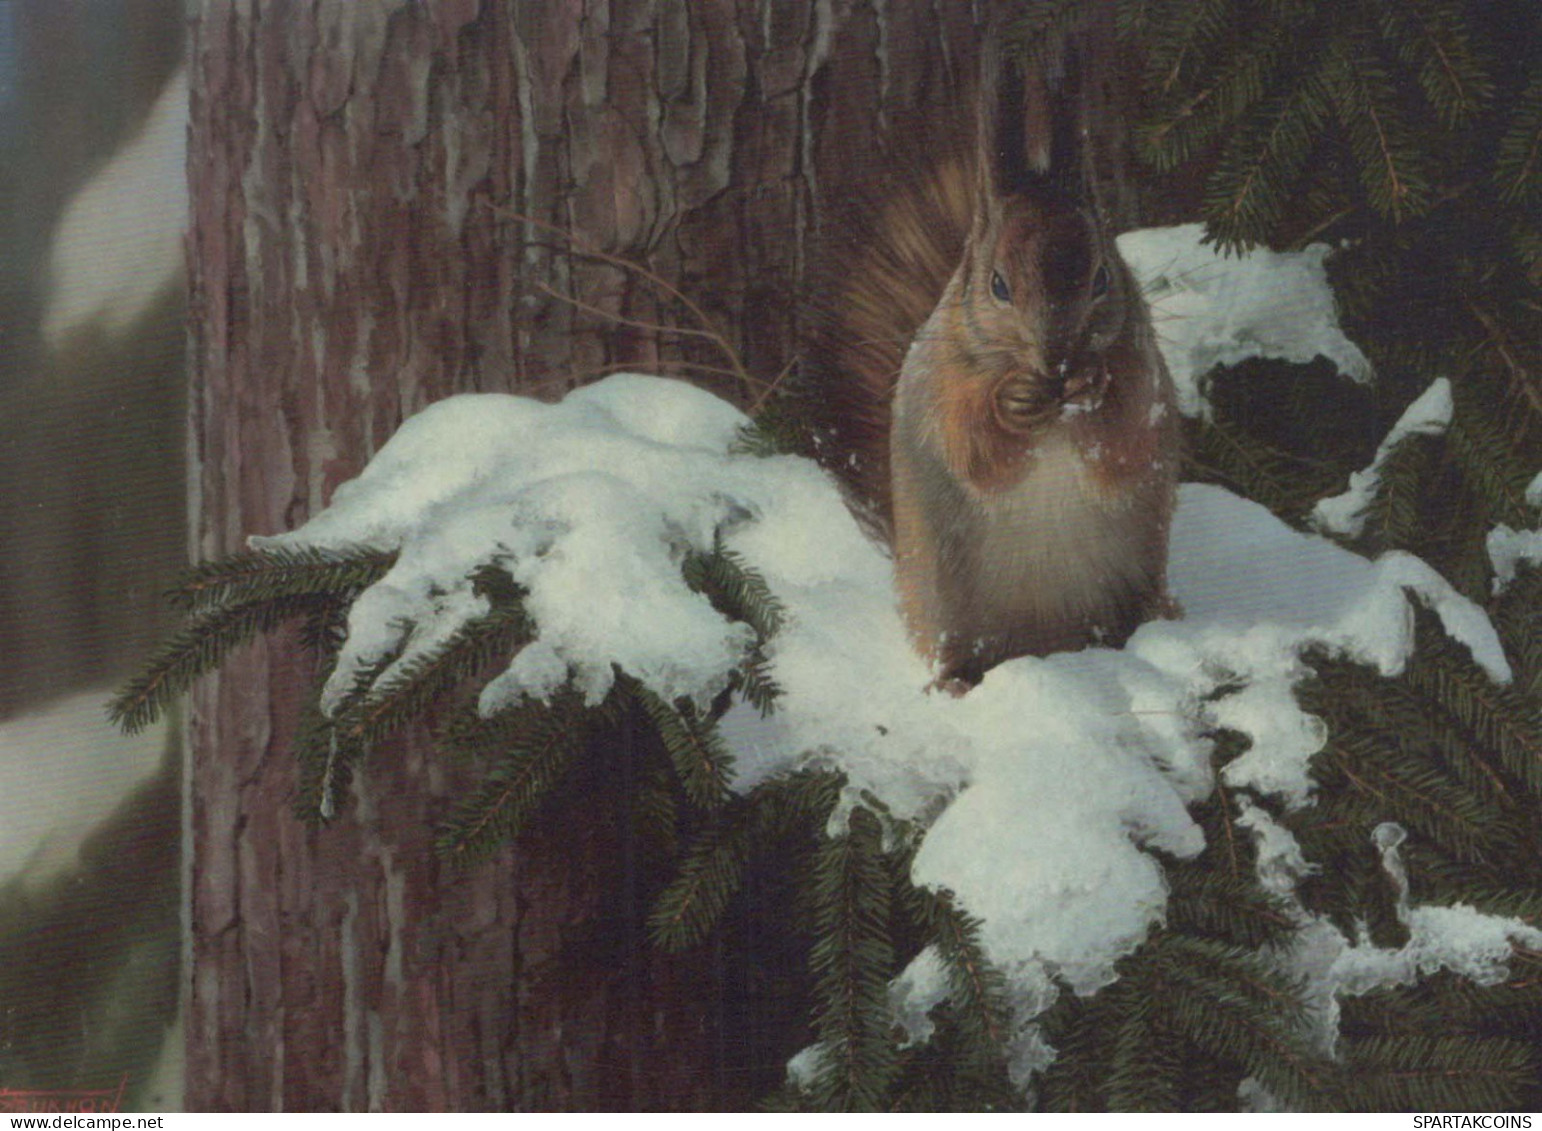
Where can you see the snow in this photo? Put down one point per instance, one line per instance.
(921, 987)
(1429, 415)
(1457, 938)
(118, 245)
(1040, 791)
(1508, 549)
(1211, 309)
(64, 769)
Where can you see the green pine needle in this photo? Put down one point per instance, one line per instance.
(976, 988)
(698, 752)
(384, 707)
(261, 575)
(1229, 909)
(1441, 1073)
(735, 590)
(1431, 40)
(1498, 718)
(1518, 166)
(1232, 1006)
(198, 648)
(693, 904)
(852, 961)
(497, 810)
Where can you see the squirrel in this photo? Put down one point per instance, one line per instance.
(984, 377)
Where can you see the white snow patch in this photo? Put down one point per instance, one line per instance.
(1210, 309)
(64, 769)
(1039, 792)
(1328, 965)
(1459, 938)
(118, 245)
(804, 1067)
(1508, 549)
(920, 988)
(1429, 415)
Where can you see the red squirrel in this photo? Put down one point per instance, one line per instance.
(1021, 453)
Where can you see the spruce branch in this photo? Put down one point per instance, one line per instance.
(698, 752)
(1517, 615)
(1220, 451)
(385, 706)
(1246, 73)
(548, 738)
(1412, 1072)
(326, 763)
(852, 961)
(735, 590)
(1498, 718)
(976, 987)
(1394, 517)
(1145, 1065)
(1183, 34)
(1082, 1032)
(693, 904)
(1210, 903)
(1518, 162)
(1392, 165)
(1231, 1006)
(1418, 796)
(1480, 444)
(197, 648)
(1525, 382)
(1432, 40)
(262, 575)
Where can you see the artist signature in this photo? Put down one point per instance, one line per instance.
(29, 1100)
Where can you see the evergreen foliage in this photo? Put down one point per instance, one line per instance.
(1407, 131)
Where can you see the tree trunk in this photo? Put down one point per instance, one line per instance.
(392, 203)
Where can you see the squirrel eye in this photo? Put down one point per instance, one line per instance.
(1100, 282)
(999, 289)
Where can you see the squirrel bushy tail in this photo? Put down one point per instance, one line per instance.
(885, 259)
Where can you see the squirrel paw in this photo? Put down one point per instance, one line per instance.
(1164, 606)
(952, 684)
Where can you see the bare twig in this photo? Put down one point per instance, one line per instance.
(708, 330)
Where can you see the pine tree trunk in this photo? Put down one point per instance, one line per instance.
(361, 173)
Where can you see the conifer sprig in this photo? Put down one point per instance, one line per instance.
(544, 738)
(383, 706)
(852, 961)
(261, 575)
(1231, 1006)
(698, 752)
(1518, 164)
(709, 875)
(1425, 1072)
(976, 988)
(200, 647)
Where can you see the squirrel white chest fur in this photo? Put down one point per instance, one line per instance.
(1063, 547)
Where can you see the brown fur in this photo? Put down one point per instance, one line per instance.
(1021, 454)
(882, 265)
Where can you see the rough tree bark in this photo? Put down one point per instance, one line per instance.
(359, 172)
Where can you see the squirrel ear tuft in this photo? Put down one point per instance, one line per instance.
(1067, 160)
(1029, 123)
(1006, 164)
